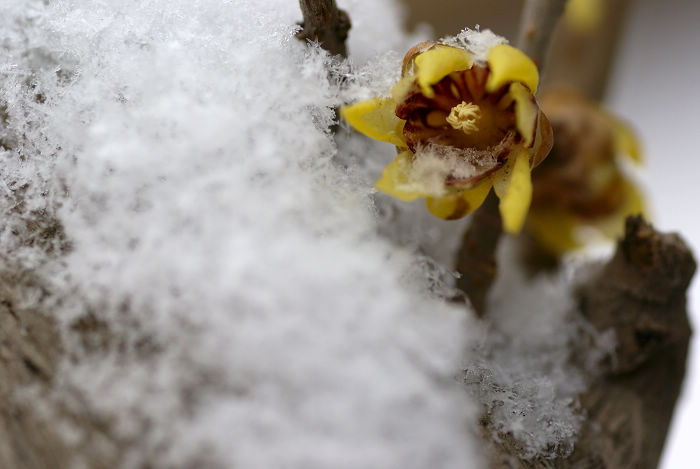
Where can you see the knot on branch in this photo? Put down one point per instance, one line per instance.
(641, 294)
(326, 24)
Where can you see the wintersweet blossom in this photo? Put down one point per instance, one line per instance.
(584, 16)
(464, 119)
(582, 185)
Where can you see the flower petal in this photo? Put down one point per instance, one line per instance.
(513, 186)
(584, 15)
(395, 179)
(626, 141)
(508, 64)
(377, 119)
(558, 231)
(526, 112)
(555, 231)
(544, 140)
(435, 64)
(459, 204)
(401, 89)
(614, 225)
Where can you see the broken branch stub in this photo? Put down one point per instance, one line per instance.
(326, 24)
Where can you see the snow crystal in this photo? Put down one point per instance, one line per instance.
(476, 41)
(252, 315)
(169, 177)
(531, 362)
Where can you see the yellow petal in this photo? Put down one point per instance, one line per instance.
(395, 178)
(614, 225)
(401, 89)
(554, 231)
(544, 140)
(377, 119)
(513, 186)
(508, 64)
(526, 112)
(626, 141)
(459, 204)
(584, 15)
(435, 64)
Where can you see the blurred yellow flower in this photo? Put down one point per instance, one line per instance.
(581, 183)
(584, 16)
(462, 122)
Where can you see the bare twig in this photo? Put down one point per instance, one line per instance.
(476, 259)
(326, 24)
(582, 60)
(537, 26)
(641, 295)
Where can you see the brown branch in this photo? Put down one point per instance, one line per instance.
(30, 348)
(476, 258)
(583, 59)
(326, 24)
(537, 27)
(641, 295)
(476, 261)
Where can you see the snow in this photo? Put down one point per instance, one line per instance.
(263, 306)
(476, 41)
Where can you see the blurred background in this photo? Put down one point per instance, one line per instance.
(646, 63)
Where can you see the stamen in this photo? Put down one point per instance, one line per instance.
(464, 117)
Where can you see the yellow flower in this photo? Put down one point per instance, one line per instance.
(584, 16)
(463, 121)
(581, 184)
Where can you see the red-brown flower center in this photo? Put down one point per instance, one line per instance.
(461, 114)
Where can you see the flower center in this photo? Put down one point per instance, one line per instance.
(464, 117)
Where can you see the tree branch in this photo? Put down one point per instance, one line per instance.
(641, 295)
(326, 24)
(583, 59)
(476, 258)
(537, 26)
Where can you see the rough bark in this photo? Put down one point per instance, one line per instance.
(583, 60)
(33, 431)
(326, 24)
(476, 258)
(537, 26)
(641, 295)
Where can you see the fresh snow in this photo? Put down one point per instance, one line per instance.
(265, 307)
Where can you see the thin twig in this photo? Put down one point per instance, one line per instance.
(537, 26)
(583, 59)
(640, 294)
(476, 258)
(326, 24)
